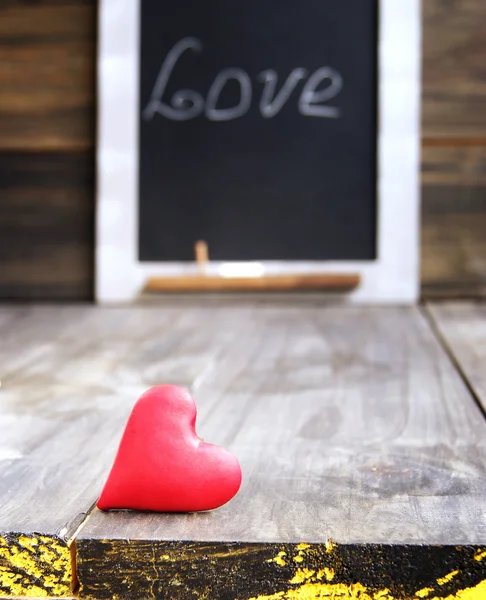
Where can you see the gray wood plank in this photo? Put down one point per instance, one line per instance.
(462, 326)
(351, 424)
(352, 420)
(69, 376)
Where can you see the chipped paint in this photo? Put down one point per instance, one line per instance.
(326, 572)
(303, 546)
(306, 575)
(279, 559)
(357, 591)
(447, 578)
(34, 565)
(302, 575)
(329, 546)
(301, 552)
(241, 571)
(475, 593)
(312, 591)
(30, 543)
(480, 555)
(308, 584)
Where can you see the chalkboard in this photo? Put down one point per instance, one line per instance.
(258, 129)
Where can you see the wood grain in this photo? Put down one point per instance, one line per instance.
(454, 253)
(47, 75)
(285, 282)
(454, 72)
(454, 222)
(340, 390)
(63, 401)
(463, 328)
(46, 226)
(350, 424)
(187, 570)
(454, 149)
(459, 166)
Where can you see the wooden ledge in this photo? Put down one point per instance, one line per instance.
(282, 283)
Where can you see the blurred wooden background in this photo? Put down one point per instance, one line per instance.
(47, 141)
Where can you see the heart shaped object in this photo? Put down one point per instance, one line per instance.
(162, 465)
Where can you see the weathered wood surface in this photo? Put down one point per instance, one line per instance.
(324, 406)
(350, 424)
(63, 401)
(454, 148)
(46, 226)
(454, 222)
(463, 328)
(164, 570)
(47, 139)
(454, 72)
(454, 167)
(47, 75)
(69, 377)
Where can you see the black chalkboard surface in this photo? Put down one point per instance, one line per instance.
(258, 129)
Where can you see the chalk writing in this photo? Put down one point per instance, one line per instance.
(188, 104)
(310, 102)
(270, 108)
(226, 114)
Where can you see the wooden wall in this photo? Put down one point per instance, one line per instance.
(454, 148)
(47, 139)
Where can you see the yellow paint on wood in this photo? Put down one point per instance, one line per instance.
(302, 575)
(312, 591)
(279, 559)
(31, 543)
(357, 591)
(36, 566)
(447, 578)
(302, 551)
(326, 572)
(480, 555)
(475, 593)
(303, 546)
(308, 584)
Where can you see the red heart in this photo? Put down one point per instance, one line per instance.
(162, 465)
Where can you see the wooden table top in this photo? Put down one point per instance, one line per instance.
(360, 432)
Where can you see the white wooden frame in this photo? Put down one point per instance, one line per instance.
(393, 277)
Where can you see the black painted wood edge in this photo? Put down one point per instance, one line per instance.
(240, 571)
